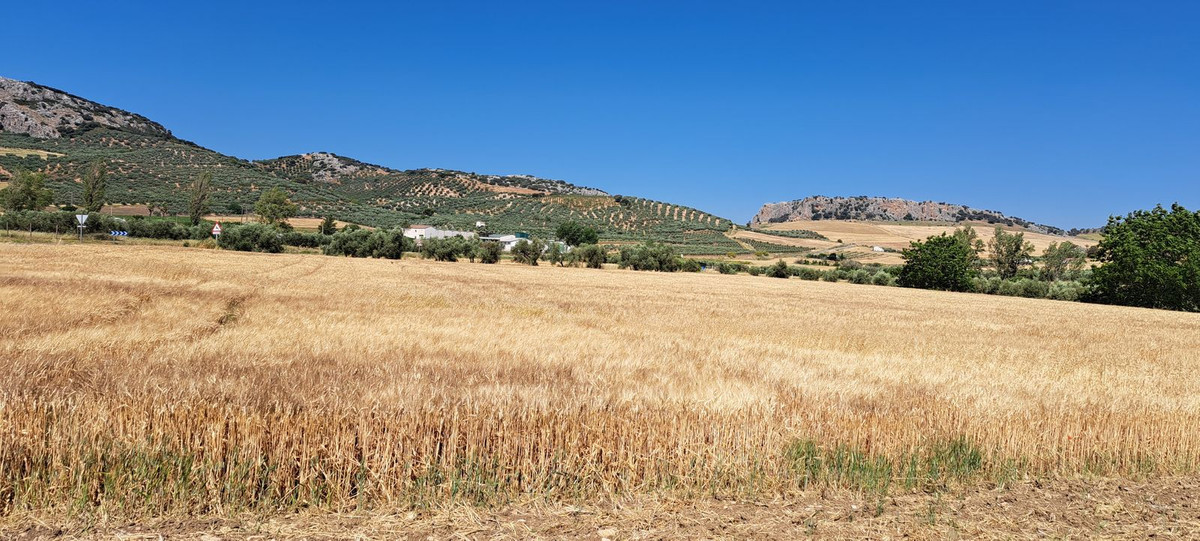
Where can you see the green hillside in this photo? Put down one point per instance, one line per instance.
(153, 168)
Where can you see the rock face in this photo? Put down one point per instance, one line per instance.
(886, 209)
(41, 111)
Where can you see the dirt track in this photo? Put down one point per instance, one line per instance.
(1104, 508)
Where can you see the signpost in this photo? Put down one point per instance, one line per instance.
(216, 229)
(81, 219)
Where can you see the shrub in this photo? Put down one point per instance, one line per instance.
(779, 270)
(689, 265)
(860, 276)
(251, 238)
(806, 273)
(650, 256)
(755, 270)
(727, 268)
(830, 276)
(304, 240)
(882, 278)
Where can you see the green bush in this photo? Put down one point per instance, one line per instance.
(755, 270)
(830, 276)
(251, 238)
(883, 278)
(729, 268)
(779, 270)
(806, 273)
(689, 265)
(650, 256)
(860, 276)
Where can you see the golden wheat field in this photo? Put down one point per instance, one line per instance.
(147, 381)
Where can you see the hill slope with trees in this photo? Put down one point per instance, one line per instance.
(63, 136)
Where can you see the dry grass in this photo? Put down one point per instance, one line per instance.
(145, 381)
(899, 235)
(24, 152)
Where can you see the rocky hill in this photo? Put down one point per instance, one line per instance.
(885, 209)
(44, 112)
(60, 134)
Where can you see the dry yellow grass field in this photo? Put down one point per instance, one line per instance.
(146, 381)
(899, 235)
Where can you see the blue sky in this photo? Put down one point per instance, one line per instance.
(1060, 112)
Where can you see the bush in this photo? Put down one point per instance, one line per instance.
(860, 276)
(304, 240)
(650, 256)
(689, 265)
(806, 273)
(883, 278)
(779, 270)
(390, 244)
(251, 238)
(1067, 291)
(830, 276)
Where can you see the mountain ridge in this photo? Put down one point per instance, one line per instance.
(864, 207)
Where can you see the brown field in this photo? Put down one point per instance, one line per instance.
(899, 235)
(160, 385)
(23, 152)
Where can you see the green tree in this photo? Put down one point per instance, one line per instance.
(1009, 251)
(967, 235)
(274, 207)
(1150, 259)
(942, 262)
(198, 194)
(555, 254)
(528, 251)
(448, 249)
(1060, 259)
(489, 252)
(591, 255)
(328, 226)
(576, 234)
(94, 184)
(472, 248)
(27, 191)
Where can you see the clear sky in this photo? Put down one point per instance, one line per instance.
(1059, 112)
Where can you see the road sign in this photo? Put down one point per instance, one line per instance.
(119, 233)
(217, 229)
(81, 219)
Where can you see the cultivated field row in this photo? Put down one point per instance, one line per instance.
(149, 380)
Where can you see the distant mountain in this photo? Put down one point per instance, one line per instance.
(41, 111)
(52, 131)
(885, 209)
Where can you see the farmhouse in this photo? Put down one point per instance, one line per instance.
(420, 232)
(506, 241)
